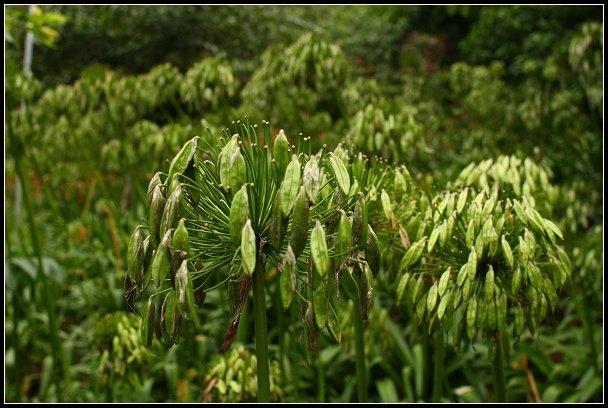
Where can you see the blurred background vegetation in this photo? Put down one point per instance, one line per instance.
(114, 92)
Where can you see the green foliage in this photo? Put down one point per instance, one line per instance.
(300, 84)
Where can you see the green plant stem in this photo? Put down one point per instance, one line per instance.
(498, 368)
(359, 352)
(48, 298)
(261, 334)
(438, 362)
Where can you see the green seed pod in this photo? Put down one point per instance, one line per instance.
(181, 241)
(184, 159)
(444, 281)
(171, 211)
(521, 214)
(348, 284)
(462, 200)
(157, 207)
(185, 294)
(479, 246)
(431, 299)
(413, 254)
(402, 286)
(339, 171)
(237, 174)
(134, 255)
(320, 306)
(534, 276)
(277, 224)
(312, 334)
(473, 256)
(507, 252)
(299, 223)
(420, 309)
(418, 289)
(463, 273)
(516, 281)
(489, 285)
(318, 249)
(290, 185)
(288, 277)
(225, 156)
(446, 230)
(161, 261)
(471, 317)
(169, 318)
(248, 248)
(482, 314)
(467, 289)
(491, 316)
(239, 212)
(387, 207)
(444, 305)
(281, 155)
(501, 310)
(470, 237)
(433, 238)
(333, 325)
(343, 243)
(312, 179)
(146, 260)
(372, 251)
(154, 182)
(147, 323)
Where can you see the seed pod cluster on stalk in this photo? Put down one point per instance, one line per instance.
(484, 263)
(162, 256)
(236, 205)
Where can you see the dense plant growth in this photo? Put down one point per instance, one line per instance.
(304, 204)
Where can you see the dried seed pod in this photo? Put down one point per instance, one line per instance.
(161, 260)
(372, 251)
(288, 277)
(290, 185)
(248, 248)
(312, 334)
(239, 212)
(281, 155)
(340, 174)
(299, 223)
(318, 249)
